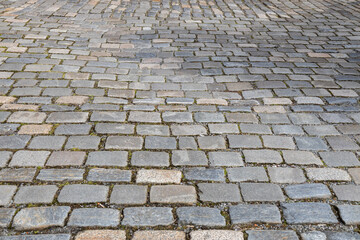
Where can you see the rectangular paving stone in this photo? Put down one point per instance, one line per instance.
(347, 192)
(310, 143)
(94, 217)
(152, 130)
(129, 194)
(73, 129)
(158, 142)
(340, 159)
(244, 141)
(147, 216)
(158, 176)
(67, 117)
(83, 142)
(124, 142)
(327, 174)
(247, 174)
(45, 217)
(59, 175)
(6, 194)
(177, 117)
(204, 174)
(14, 142)
(307, 191)
(27, 117)
(261, 192)
(108, 175)
(262, 156)
(308, 212)
(202, 216)
(107, 158)
(66, 158)
(29, 158)
(209, 117)
(350, 214)
(173, 194)
(188, 130)
(216, 234)
(225, 159)
(17, 174)
(35, 194)
(159, 234)
(255, 213)
(278, 142)
(47, 142)
(108, 117)
(286, 175)
(6, 215)
(219, 192)
(147, 117)
(301, 157)
(188, 158)
(105, 234)
(271, 235)
(147, 158)
(83, 193)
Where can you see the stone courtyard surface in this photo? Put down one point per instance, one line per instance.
(176, 119)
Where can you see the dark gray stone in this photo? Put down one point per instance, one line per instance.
(205, 174)
(259, 213)
(308, 213)
(108, 175)
(305, 191)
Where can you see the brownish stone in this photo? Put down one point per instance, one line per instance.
(101, 235)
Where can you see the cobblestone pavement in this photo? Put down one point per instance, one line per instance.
(179, 119)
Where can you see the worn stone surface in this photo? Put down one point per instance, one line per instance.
(94, 217)
(159, 234)
(147, 216)
(216, 235)
(203, 216)
(262, 213)
(101, 235)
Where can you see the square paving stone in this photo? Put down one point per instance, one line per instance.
(6, 215)
(271, 235)
(124, 142)
(212, 142)
(173, 194)
(262, 156)
(66, 158)
(225, 159)
(350, 214)
(45, 217)
(310, 143)
(67, 117)
(129, 194)
(347, 192)
(35, 194)
(308, 213)
(259, 213)
(301, 158)
(6, 194)
(107, 158)
(306, 191)
(247, 174)
(94, 217)
(202, 216)
(340, 159)
(147, 216)
(216, 235)
(108, 175)
(83, 142)
(159, 234)
(157, 142)
(261, 192)
(82, 193)
(29, 158)
(14, 142)
(47, 142)
(205, 174)
(59, 175)
(244, 141)
(17, 175)
(286, 175)
(219, 192)
(146, 158)
(189, 158)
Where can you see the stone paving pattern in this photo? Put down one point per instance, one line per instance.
(179, 119)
